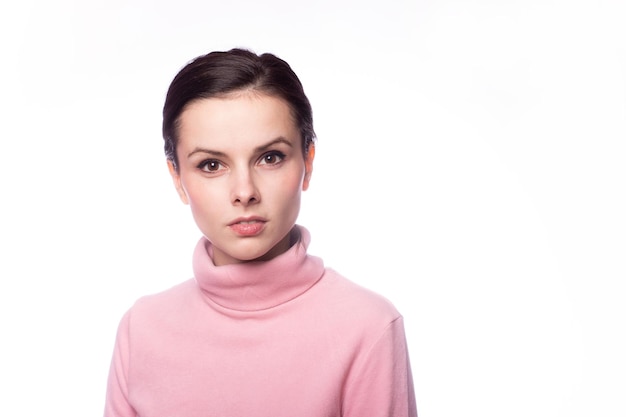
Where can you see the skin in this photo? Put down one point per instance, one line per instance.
(240, 158)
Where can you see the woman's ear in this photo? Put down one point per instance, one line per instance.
(308, 166)
(177, 182)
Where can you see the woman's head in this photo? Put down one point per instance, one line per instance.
(220, 74)
(239, 141)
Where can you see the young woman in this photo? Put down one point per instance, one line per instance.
(263, 328)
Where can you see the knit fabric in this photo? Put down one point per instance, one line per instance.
(287, 337)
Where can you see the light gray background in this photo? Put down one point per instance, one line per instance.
(470, 168)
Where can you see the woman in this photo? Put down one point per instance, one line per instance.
(263, 329)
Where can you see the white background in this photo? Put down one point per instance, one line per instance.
(470, 168)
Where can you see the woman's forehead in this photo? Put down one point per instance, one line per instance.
(247, 120)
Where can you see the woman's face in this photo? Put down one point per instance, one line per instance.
(241, 170)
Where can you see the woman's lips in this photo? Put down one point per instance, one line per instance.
(248, 227)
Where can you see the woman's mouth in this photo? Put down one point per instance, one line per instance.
(248, 228)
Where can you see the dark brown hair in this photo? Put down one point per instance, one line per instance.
(218, 74)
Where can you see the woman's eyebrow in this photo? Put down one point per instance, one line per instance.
(205, 150)
(258, 149)
(276, 141)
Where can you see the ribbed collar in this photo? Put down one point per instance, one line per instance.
(256, 286)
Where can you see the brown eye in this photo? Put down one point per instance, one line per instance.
(272, 158)
(210, 165)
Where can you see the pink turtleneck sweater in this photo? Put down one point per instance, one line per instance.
(283, 338)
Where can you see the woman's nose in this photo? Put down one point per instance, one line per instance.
(244, 189)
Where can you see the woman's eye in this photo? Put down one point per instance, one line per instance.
(210, 165)
(272, 158)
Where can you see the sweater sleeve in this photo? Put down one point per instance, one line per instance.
(381, 384)
(117, 404)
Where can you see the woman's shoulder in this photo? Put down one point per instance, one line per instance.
(356, 300)
(165, 301)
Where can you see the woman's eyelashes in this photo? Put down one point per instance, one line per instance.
(210, 165)
(271, 158)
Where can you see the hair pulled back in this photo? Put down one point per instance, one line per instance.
(218, 74)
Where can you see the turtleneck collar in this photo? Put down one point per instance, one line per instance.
(259, 285)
